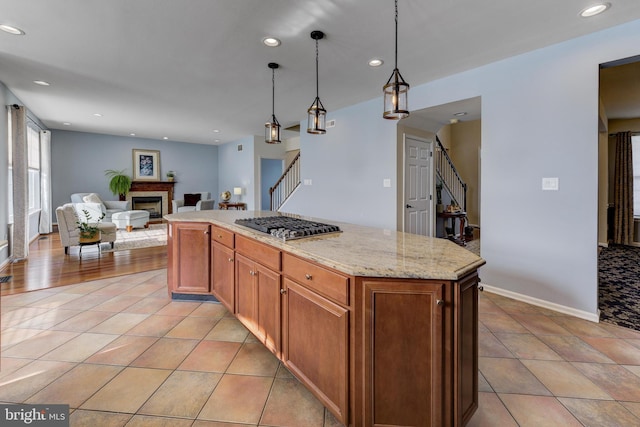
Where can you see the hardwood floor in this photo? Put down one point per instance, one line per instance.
(47, 265)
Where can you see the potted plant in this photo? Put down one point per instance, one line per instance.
(120, 183)
(171, 176)
(89, 231)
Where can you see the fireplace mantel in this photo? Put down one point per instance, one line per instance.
(152, 186)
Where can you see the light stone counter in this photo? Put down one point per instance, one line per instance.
(358, 250)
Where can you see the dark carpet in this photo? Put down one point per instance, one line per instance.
(619, 286)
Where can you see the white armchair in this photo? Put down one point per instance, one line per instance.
(68, 228)
(92, 203)
(205, 203)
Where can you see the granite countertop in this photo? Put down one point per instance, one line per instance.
(358, 250)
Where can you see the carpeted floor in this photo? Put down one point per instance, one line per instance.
(155, 235)
(619, 286)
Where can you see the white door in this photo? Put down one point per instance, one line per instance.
(418, 191)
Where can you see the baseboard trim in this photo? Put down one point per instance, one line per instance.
(593, 317)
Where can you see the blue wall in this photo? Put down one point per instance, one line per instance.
(79, 160)
(539, 119)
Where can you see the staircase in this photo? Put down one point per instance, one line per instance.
(286, 184)
(449, 176)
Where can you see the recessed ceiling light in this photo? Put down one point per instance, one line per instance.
(216, 140)
(460, 113)
(66, 124)
(11, 30)
(216, 130)
(165, 137)
(41, 82)
(132, 134)
(271, 41)
(97, 114)
(594, 10)
(375, 62)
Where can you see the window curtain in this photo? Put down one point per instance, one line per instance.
(45, 183)
(20, 240)
(623, 190)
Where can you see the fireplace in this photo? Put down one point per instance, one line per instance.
(154, 196)
(151, 204)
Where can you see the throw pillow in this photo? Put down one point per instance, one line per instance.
(94, 198)
(191, 199)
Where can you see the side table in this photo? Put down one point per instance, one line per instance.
(236, 206)
(453, 216)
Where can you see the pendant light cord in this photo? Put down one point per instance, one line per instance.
(273, 92)
(317, 76)
(396, 34)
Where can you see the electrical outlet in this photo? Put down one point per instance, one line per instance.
(551, 184)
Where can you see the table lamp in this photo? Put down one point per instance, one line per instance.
(237, 191)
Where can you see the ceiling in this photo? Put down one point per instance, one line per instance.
(182, 69)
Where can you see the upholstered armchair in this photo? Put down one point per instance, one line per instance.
(93, 203)
(193, 202)
(67, 218)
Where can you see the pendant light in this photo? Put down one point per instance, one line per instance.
(396, 105)
(272, 128)
(316, 113)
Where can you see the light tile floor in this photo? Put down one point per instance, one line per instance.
(120, 352)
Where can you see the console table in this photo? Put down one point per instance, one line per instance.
(236, 206)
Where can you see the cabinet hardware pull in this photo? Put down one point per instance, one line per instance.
(481, 288)
(219, 236)
(230, 259)
(439, 302)
(251, 272)
(206, 232)
(308, 276)
(282, 291)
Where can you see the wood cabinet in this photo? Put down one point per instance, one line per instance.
(316, 345)
(373, 350)
(258, 291)
(190, 257)
(223, 266)
(223, 275)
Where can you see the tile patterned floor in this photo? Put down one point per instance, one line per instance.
(120, 353)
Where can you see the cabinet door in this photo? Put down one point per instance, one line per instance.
(466, 349)
(223, 275)
(315, 345)
(269, 308)
(191, 255)
(403, 353)
(246, 293)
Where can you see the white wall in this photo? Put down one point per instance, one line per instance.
(539, 119)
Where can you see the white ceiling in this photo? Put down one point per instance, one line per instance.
(181, 69)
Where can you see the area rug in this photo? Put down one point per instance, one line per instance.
(155, 235)
(619, 286)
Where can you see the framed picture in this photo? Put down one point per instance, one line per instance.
(146, 165)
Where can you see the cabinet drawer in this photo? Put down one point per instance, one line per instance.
(259, 252)
(317, 278)
(222, 235)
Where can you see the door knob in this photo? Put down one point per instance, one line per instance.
(409, 206)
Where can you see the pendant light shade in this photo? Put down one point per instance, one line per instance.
(272, 127)
(396, 91)
(316, 114)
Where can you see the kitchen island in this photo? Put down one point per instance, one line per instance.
(380, 325)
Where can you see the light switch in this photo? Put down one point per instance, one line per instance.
(386, 182)
(550, 184)
(308, 182)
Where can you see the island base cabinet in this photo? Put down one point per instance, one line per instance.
(223, 275)
(190, 258)
(258, 301)
(316, 345)
(403, 354)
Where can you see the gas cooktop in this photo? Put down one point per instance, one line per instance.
(288, 228)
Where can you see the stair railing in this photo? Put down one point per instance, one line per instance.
(449, 176)
(286, 184)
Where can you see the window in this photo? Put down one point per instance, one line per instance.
(33, 162)
(635, 150)
(10, 170)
